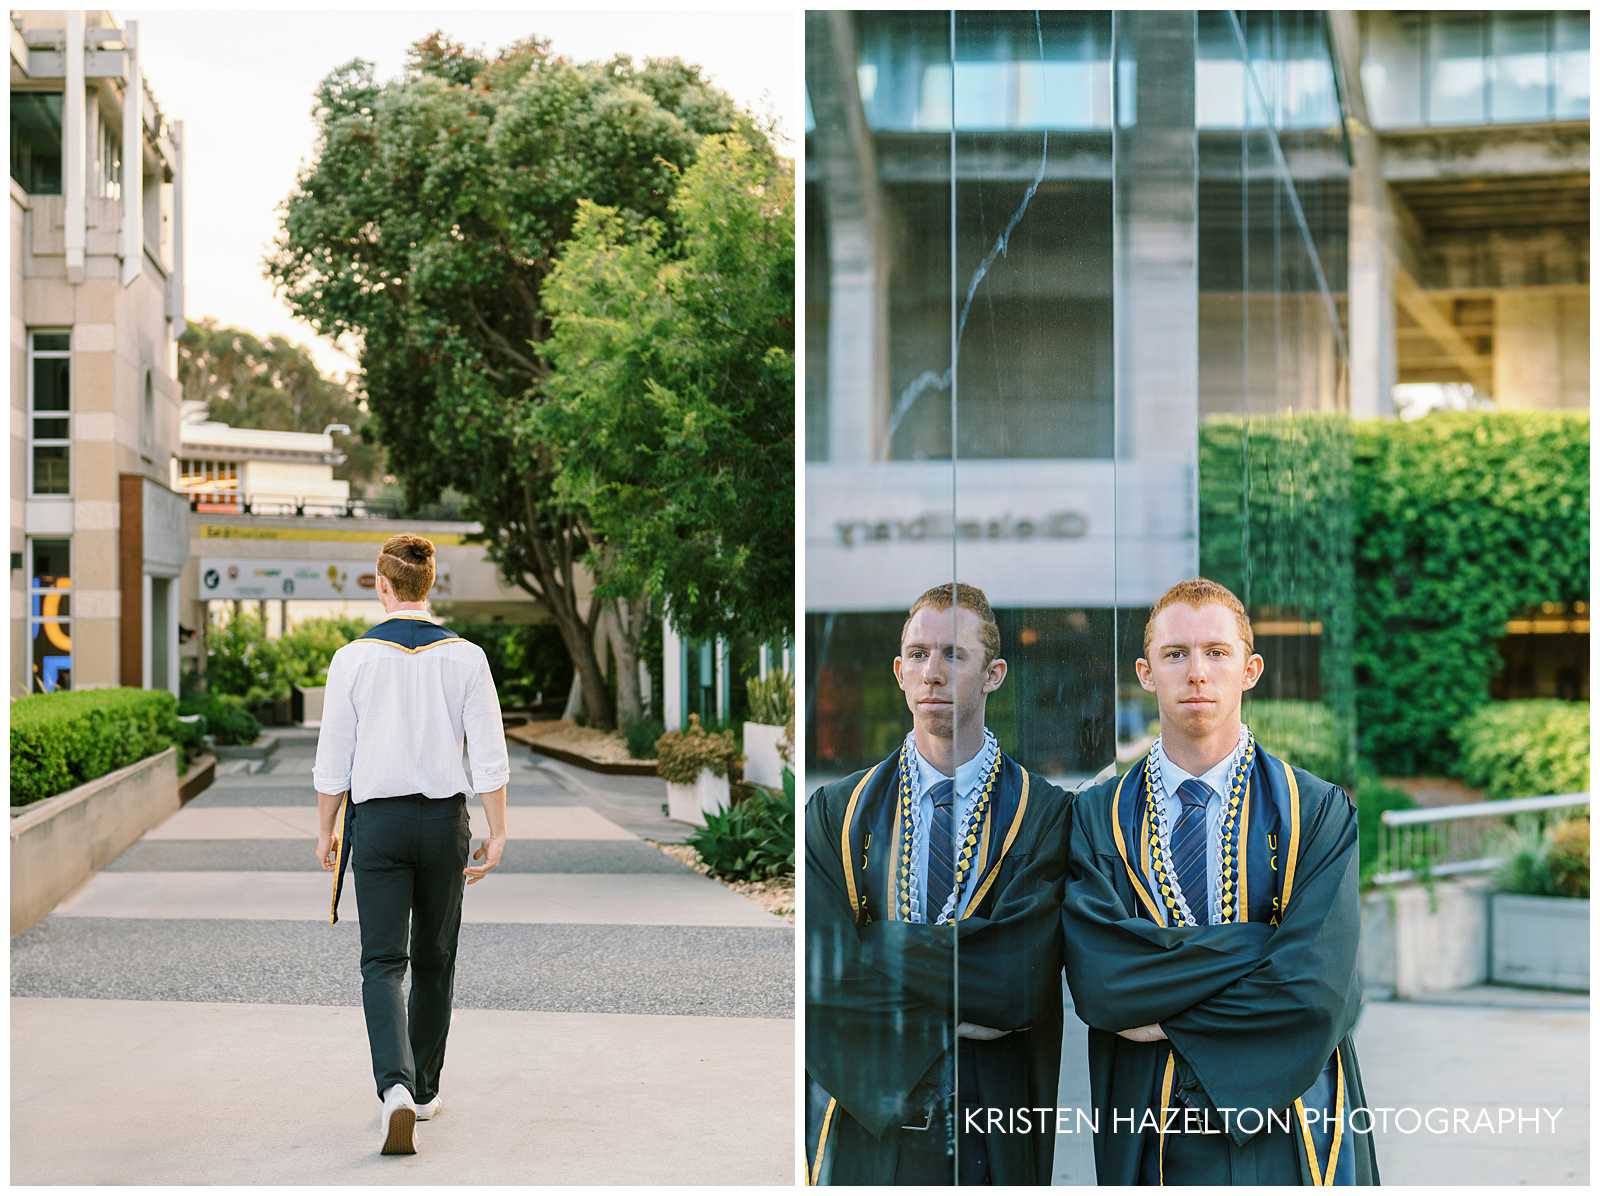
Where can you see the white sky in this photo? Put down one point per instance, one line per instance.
(242, 84)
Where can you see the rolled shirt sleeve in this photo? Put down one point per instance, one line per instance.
(486, 736)
(336, 738)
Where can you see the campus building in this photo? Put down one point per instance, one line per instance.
(1092, 297)
(98, 538)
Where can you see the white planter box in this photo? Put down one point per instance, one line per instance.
(1542, 942)
(691, 803)
(311, 704)
(59, 843)
(762, 763)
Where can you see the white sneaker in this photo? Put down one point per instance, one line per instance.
(426, 1112)
(398, 1121)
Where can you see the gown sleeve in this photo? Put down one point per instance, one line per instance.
(1261, 1041)
(1123, 968)
(869, 1040)
(1010, 959)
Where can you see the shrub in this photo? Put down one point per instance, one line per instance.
(680, 755)
(228, 721)
(1569, 857)
(753, 840)
(771, 698)
(641, 735)
(305, 652)
(1372, 798)
(62, 740)
(242, 661)
(1307, 734)
(528, 662)
(1525, 869)
(191, 740)
(1522, 749)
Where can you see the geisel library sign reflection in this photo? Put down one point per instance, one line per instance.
(1031, 533)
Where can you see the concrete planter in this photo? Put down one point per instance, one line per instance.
(261, 749)
(59, 843)
(307, 705)
(691, 803)
(1541, 942)
(762, 763)
(1416, 941)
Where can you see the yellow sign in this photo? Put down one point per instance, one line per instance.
(239, 531)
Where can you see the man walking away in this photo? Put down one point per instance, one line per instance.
(402, 701)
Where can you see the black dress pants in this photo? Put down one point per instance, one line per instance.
(407, 857)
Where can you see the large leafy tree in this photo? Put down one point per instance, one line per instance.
(424, 227)
(673, 394)
(247, 382)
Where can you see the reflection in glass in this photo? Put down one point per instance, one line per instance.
(1455, 69)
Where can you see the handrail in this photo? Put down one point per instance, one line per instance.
(1484, 809)
(1444, 840)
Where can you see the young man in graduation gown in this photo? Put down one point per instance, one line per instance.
(1211, 924)
(402, 702)
(933, 964)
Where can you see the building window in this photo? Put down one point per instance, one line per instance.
(49, 413)
(108, 163)
(36, 141)
(50, 614)
(147, 422)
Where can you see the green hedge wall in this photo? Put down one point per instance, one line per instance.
(61, 740)
(1462, 521)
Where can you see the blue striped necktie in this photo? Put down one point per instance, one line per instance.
(941, 849)
(1189, 849)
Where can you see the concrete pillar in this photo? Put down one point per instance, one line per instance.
(132, 160)
(1374, 355)
(858, 322)
(1541, 350)
(674, 678)
(74, 148)
(175, 283)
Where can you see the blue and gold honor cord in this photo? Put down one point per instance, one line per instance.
(1178, 911)
(968, 839)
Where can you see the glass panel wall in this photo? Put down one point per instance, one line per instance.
(1078, 282)
(1469, 68)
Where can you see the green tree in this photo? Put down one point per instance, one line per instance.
(425, 224)
(673, 393)
(247, 382)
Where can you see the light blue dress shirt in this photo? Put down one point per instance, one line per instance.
(924, 776)
(1216, 778)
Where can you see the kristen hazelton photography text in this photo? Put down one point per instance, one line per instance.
(1219, 812)
(1186, 685)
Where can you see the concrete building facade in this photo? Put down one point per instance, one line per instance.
(98, 539)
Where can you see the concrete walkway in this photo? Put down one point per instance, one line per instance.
(1480, 1048)
(189, 1016)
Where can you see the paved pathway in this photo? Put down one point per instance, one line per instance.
(189, 1016)
(1477, 1048)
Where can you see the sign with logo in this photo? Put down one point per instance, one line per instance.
(254, 577)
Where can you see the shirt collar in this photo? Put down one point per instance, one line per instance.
(968, 774)
(1216, 777)
(409, 614)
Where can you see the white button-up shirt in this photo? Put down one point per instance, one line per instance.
(397, 722)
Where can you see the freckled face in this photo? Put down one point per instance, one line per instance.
(942, 671)
(1198, 668)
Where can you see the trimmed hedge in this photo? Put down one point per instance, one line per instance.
(1463, 520)
(1524, 749)
(227, 719)
(62, 740)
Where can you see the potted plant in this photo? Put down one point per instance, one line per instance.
(771, 708)
(1539, 912)
(696, 765)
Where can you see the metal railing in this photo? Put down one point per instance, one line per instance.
(277, 504)
(1459, 840)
